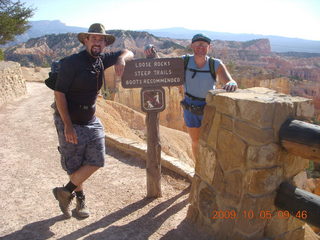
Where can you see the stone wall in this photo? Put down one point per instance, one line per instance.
(12, 83)
(240, 165)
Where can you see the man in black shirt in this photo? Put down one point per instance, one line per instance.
(80, 132)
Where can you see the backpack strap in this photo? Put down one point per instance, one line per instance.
(211, 66)
(104, 90)
(186, 61)
(212, 70)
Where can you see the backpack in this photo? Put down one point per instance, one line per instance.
(53, 75)
(211, 66)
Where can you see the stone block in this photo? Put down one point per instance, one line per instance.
(254, 214)
(263, 156)
(213, 131)
(207, 203)
(233, 189)
(253, 135)
(192, 213)
(275, 227)
(193, 196)
(206, 164)
(233, 182)
(285, 229)
(206, 124)
(224, 104)
(263, 181)
(218, 179)
(254, 236)
(295, 230)
(258, 113)
(305, 109)
(231, 150)
(283, 111)
(300, 180)
(226, 122)
(225, 229)
(292, 164)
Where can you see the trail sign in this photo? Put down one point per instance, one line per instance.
(155, 72)
(151, 75)
(152, 99)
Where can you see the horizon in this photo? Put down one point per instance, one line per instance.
(283, 18)
(187, 29)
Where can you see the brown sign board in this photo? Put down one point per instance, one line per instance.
(153, 99)
(155, 72)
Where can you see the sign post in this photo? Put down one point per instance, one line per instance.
(151, 75)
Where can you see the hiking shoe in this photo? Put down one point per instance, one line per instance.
(64, 197)
(81, 208)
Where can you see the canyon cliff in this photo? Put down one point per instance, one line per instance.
(251, 64)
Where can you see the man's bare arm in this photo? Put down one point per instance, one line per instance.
(125, 56)
(224, 76)
(62, 106)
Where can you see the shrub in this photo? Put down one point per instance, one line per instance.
(1, 55)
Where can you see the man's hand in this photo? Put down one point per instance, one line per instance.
(70, 134)
(150, 51)
(230, 86)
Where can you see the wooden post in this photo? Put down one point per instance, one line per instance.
(301, 139)
(301, 204)
(154, 156)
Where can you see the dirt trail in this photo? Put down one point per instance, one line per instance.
(115, 194)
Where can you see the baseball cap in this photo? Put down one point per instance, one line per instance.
(201, 37)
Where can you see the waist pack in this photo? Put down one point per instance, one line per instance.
(198, 110)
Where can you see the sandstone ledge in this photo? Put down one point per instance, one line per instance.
(138, 149)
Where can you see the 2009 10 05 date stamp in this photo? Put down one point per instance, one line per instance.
(261, 214)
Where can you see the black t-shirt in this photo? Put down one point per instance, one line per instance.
(80, 79)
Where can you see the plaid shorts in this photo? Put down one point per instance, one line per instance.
(90, 149)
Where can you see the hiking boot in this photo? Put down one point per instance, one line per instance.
(64, 197)
(81, 208)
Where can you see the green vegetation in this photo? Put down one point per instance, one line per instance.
(1, 55)
(313, 170)
(295, 78)
(13, 19)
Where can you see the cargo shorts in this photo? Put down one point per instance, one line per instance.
(90, 149)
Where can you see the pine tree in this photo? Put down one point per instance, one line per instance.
(13, 19)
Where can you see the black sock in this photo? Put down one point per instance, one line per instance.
(70, 187)
(79, 194)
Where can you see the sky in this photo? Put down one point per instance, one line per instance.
(288, 18)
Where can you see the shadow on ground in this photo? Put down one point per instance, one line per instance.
(141, 228)
(36, 231)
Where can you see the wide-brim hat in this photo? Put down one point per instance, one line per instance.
(96, 29)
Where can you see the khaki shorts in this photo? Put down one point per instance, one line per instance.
(90, 149)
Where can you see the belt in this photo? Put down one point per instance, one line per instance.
(194, 98)
(86, 107)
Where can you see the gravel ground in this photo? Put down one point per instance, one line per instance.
(115, 194)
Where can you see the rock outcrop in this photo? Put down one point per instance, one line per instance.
(43, 50)
(125, 122)
(12, 83)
